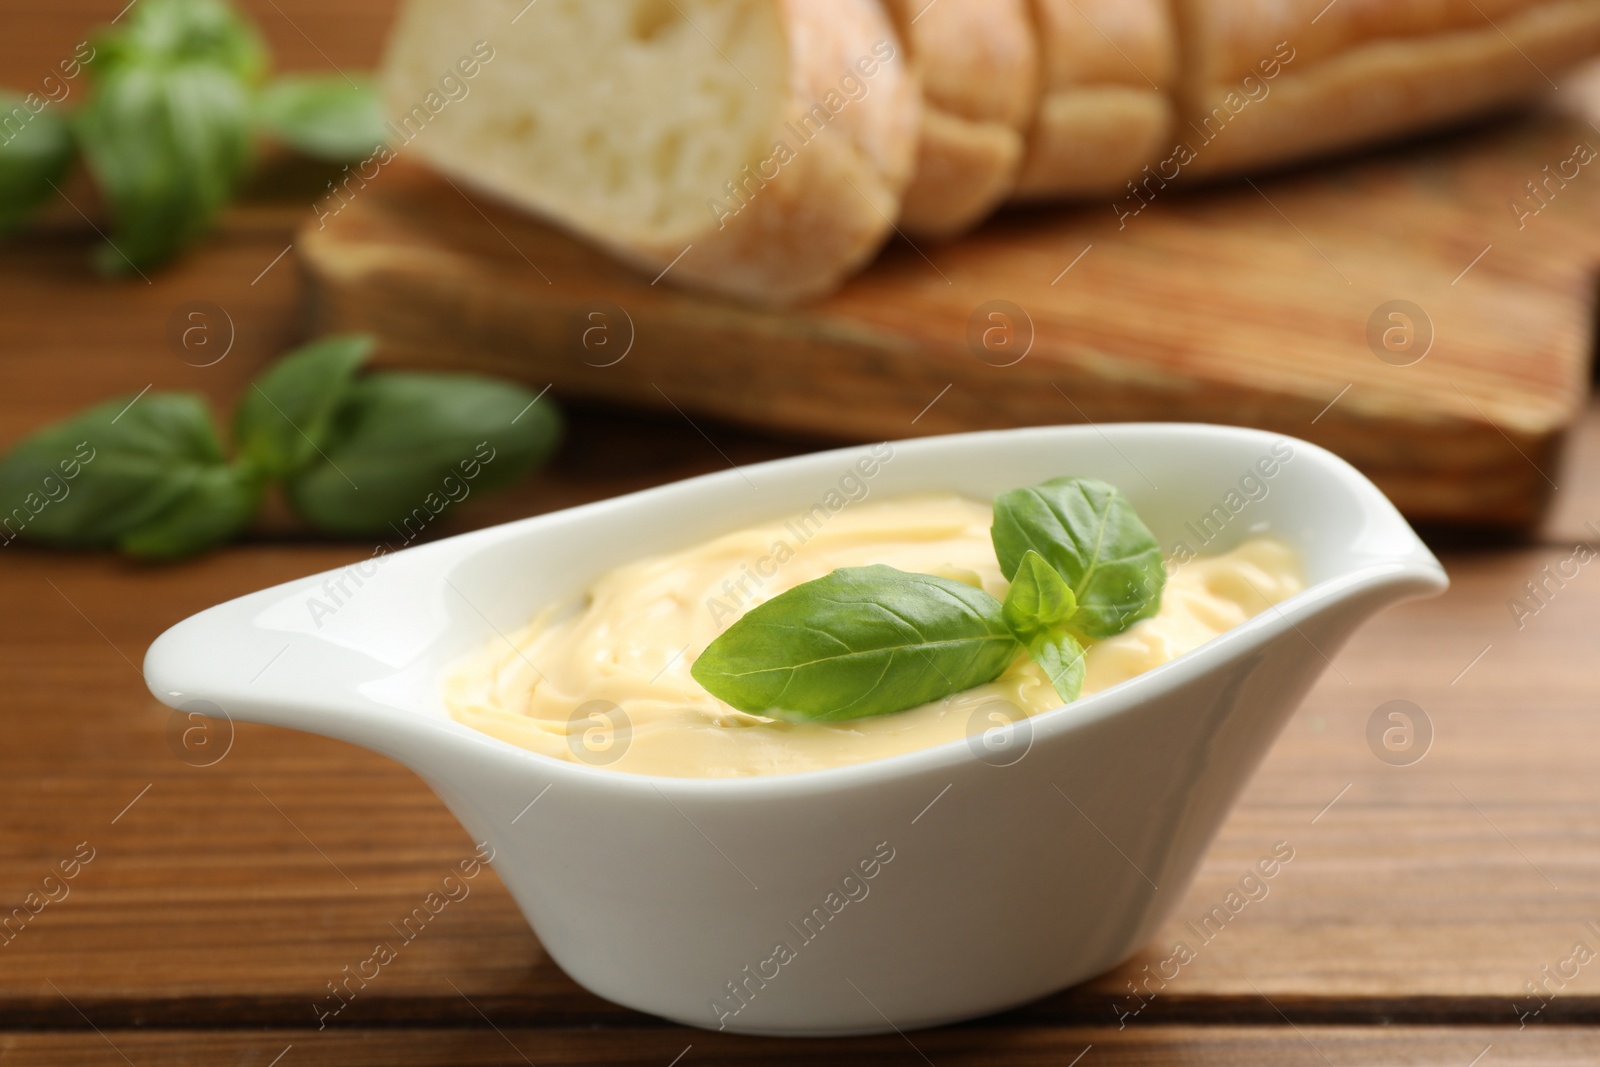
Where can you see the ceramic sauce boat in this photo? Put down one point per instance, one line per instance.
(911, 891)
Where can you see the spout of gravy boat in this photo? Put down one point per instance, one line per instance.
(911, 891)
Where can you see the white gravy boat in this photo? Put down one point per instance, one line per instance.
(1018, 863)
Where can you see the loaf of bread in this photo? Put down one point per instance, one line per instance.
(765, 149)
(1105, 107)
(1273, 82)
(978, 64)
(756, 148)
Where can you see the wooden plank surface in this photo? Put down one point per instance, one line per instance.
(1426, 892)
(303, 34)
(1278, 1046)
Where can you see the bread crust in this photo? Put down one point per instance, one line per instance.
(978, 65)
(833, 205)
(1223, 39)
(1365, 71)
(1093, 141)
(964, 171)
(971, 102)
(1108, 70)
(792, 234)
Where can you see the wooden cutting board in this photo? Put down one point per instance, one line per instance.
(1424, 312)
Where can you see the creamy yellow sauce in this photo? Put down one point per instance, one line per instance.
(607, 682)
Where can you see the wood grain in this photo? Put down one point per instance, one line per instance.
(1278, 1046)
(303, 34)
(1430, 893)
(1244, 304)
(59, 359)
(1576, 505)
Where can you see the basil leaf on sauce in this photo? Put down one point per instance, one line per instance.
(1037, 609)
(858, 642)
(1060, 656)
(1039, 598)
(1089, 533)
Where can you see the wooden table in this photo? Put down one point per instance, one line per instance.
(1421, 904)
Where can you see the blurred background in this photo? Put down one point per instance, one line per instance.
(1424, 308)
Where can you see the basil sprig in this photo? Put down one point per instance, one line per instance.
(178, 96)
(1090, 534)
(325, 117)
(33, 159)
(860, 641)
(867, 641)
(281, 419)
(167, 144)
(148, 475)
(1040, 610)
(399, 435)
(113, 474)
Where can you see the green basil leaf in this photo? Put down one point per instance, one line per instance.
(860, 641)
(286, 414)
(404, 446)
(325, 117)
(1090, 534)
(166, 137)
(88, 480)
(1060, 656)
(1039, 598)
(218, 504)
(185, 31)
(166, 130)
(35, 152)
(1038, 609)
